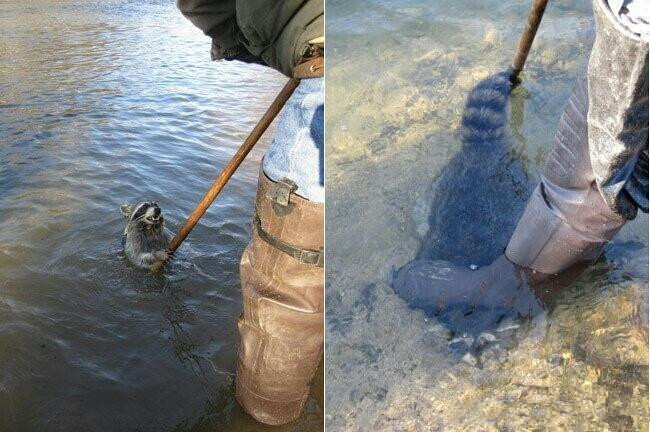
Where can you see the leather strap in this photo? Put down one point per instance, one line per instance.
(310, 68)
(307, 256)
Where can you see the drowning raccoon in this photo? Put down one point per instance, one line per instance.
(145, 239)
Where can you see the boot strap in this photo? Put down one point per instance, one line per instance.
(307, 256)
(281, 192)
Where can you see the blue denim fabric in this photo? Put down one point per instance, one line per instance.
(296, 152)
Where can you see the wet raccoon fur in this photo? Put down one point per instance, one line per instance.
(479, 196)
(145, 239)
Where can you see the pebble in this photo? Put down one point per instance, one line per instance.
(507, 325)
(487, 337)
(469, 359)
(556, 360)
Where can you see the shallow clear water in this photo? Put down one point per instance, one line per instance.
(398, 75)
(103, 103)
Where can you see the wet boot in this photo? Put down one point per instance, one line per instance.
(567, 220)
(481, 297)
(281, 326)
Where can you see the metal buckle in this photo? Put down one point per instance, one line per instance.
(311, 257)
(281, 192)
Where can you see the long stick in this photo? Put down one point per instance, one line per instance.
(234, 163)
(527, 37)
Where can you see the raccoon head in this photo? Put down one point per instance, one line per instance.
(145, 215)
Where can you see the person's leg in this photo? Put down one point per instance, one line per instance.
(618, 104)
(588, 188)
(297, 149)
(574, 210)
(281, 327)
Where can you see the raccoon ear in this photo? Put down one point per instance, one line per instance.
(126, 210)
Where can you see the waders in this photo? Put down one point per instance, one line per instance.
(282, 280)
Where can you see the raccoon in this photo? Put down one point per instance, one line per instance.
(476, 202)
(479, 196)
(145, 238)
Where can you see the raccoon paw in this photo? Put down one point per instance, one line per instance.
(162, 256)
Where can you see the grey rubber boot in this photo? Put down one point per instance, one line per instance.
(566, 220)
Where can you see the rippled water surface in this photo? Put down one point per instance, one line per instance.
(101, 103)
(398, 75)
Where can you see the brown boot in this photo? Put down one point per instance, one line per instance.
(282, 285)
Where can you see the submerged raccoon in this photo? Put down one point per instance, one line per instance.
(145, 239)
(481, 193)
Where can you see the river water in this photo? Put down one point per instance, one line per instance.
(398, 75)
(104, 103)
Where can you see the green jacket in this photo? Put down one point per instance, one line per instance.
(276, 32)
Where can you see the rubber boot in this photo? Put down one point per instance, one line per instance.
(591, 182)
(567, 220)
(281, 326)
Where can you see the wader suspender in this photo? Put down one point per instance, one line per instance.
(307, 256)
(280, 195)
(312, 63)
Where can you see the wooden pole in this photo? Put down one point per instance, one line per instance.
(527, 37)
(234, 163)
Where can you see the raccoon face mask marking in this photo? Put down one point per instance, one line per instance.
(145, 213)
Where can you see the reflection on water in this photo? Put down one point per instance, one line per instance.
(103, 103)
(581, 367)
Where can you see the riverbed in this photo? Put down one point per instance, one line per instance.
(398, 75)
